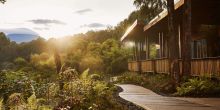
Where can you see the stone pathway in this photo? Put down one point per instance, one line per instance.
(152, 101)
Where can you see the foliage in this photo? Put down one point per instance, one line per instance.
(106, 57)
(20, 61)
(43, 59)
(11, 50)
(94, 63)
(16, 101)
(157, 82)
(69, 74)
(96, 77)
(114, 57)
(1, 103)
(12, 82)
(149, 8)
(84, 93)
(3, 40)
(199, 87)
(85, 74)
(132, 78)
(153, 51)
(31, 65)
(32, 102)
(7, 66)
(3, 1)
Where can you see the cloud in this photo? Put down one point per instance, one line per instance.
(46, 21)
(41, 28)
(83, 11)
(94, 25)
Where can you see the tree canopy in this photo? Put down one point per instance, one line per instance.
(2, 1)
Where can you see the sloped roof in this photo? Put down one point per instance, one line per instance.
(154, 21)
(162, 15)
(136, 26)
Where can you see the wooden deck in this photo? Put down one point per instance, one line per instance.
(199, 67)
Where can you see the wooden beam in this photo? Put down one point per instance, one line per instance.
(148, 48)
(162, 45)
(162, 15)
(179, 36)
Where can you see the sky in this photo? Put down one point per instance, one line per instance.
(58, 18)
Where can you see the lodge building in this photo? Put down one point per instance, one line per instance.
(149, 42)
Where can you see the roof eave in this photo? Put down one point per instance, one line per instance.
(129, 30)
(162, 15)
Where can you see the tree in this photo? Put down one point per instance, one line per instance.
(3, 1)
(174, 51)
(186, 48)
(4, 41)
(173, 46)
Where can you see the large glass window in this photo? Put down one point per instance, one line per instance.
(199, 49)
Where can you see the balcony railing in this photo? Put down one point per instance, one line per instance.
(199, 67)
(147, 66)
(133, 66)
(206, 67)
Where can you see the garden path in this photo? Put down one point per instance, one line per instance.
(152, 101)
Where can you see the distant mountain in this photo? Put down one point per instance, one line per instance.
(19, 38)
(20, 34)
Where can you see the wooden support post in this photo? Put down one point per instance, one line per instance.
(179, 36)
(135, 48)
(160, 50)
(146, 46)
(148, 52)
(134, 52)
(162, 45)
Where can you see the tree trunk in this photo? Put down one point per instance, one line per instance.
(57, 60)
(173, 43)
(58, 68)
(186, 48)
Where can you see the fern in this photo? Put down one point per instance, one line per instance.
(1, 103)
(85, 74)
(32, 102)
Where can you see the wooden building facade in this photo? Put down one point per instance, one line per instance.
(150, 42)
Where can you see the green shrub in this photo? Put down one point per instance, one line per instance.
(1, 103)
(13, 82)
(132, 78)
(198, 87)
(44, 108)
(16, 101)
(85, 74)
(85, 93)
(7, 66)
(96, 77)
(69, 75)
(156, 82)
(93, 62)
(32, 102)
(26, 69)
(20, 61)
(42, 61)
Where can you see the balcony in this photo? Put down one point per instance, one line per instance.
(199, 67)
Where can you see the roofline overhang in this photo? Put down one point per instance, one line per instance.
(154, 21)
(162, 15)
(129, 30)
